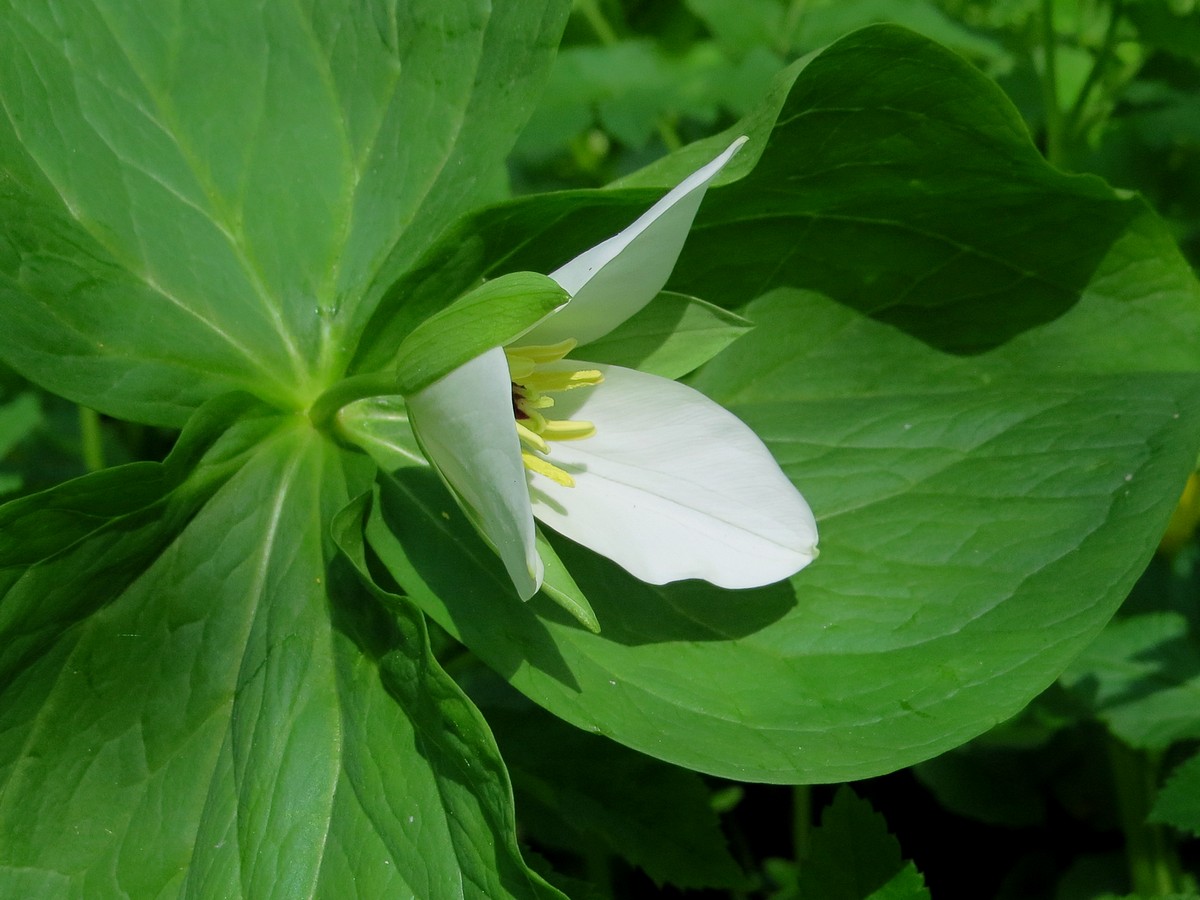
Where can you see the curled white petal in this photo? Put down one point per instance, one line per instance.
(464, 423)
(616, 278)
(672, 486)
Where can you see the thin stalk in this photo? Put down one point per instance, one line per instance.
(670, 137)
(91, 437)
(1054, 119)
(1153, 862)
(801, 822)
(1098, 66)
(357, 387)
(791, 23)
(591, 11)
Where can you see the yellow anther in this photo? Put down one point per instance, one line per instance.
(545, 382)
(543, 353)
(531, 438)
(554, 473)
(567, 430)
(519, 367)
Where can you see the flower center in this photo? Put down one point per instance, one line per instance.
(536, 373)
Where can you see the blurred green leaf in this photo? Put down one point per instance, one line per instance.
(987, 784)
(741, 27)
(18, 418)
(1160, 26)
(630, 88)
(1141, 676)
(824, 21)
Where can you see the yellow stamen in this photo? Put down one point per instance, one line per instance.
(534, 421)
(519, 367)
(545, 382)
(530, 384)
(543, 353)
(567, 430)
(531, 438)
(539, 465)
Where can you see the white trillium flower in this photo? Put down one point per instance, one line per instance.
(642, 469)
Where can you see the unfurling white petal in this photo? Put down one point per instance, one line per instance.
(464, 423)
(672, 486)
(616, 278)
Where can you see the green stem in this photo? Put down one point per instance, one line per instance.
(1153, 862)
(791, 23)
(1098, 66)
(670, 137)
(590, 10)
(1054, 121)
(92, 439)
(801, 822)
(357, 387)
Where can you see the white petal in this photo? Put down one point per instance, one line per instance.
(672, 486)
(464, 423)
(616, 278)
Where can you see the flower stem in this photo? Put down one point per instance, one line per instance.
(1054, 119)
(1153, 863)
(801, 822)
(91, 438)
(357, 387)
(591, 11)
(1098, 66)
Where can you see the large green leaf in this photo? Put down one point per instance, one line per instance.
(232, 724)
(981, 516)
(979, 524)
(212, 196)
(884, 172)
(71, 549)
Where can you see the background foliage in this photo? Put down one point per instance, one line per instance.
(979, 368)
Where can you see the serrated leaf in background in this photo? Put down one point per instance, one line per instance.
(852, 856)
(1178, 801)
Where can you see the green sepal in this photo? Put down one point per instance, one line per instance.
(559, 586)
(490, 315)
(674, 335)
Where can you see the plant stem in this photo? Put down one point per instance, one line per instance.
(1153, 863)
(1054, 120)
(1098, 66)
(591, 11)
(357, 387)
(92, 439)
(801, 822)
(670, 137)
(791, 23)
